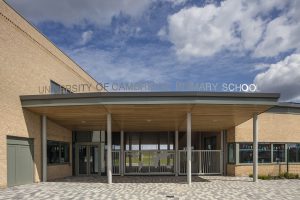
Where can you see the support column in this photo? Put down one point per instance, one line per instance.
(176, 154)
(44, 148)
(108, 156)
(255, 148)
(222, 154)
(122, 153)
(102, 151)
(189, 149)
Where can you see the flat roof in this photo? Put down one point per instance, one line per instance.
(152, 94)
(152, 111)
(149, 98)
(289, 104)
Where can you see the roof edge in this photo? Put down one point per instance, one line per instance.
(274, 96)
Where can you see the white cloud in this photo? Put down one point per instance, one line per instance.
(86, 37)
(108, 66)
(74, 12)
(261, 66)
(236, 25)
(282, 77)
(281, 35)
(177, 2)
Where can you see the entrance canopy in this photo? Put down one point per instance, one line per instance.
(150, 111)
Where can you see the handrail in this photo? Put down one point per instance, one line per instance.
(201, 150)
(149, 150)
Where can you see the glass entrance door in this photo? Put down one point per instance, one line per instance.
(82, 158)
(94, 159)
(88, 159)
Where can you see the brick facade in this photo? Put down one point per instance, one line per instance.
(272, 128)
(28, 60)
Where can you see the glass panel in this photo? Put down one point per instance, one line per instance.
(64, 152)
(132, 141)
(210, 143)
(278, 153)
(149, 161)
(294, 152)
(264, 153)
(132, 161)
(115, 162)
(116, 141)
(94, 160)
(246, 153)
(58, 89)
(82, 160)
(52, 152)
(96, 136)
(163, 141)
(231, 153)
(149, 142)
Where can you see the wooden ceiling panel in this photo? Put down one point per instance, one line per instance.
(150, 117)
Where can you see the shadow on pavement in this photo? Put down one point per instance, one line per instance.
(131, 179)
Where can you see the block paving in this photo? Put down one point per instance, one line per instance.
(156, 187)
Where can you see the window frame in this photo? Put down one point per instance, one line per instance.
(239, 152)
(60, 144)
(271, 152)
(234, 153)
(285, 152)
(297, 153)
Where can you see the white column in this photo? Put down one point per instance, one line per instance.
(44, 148)
(108, 156)
(102, 151)
(122, 153)
(176, 154)
(189, 151)
(255, 148)
(222, 153)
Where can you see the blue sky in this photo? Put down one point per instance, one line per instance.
(169, 41)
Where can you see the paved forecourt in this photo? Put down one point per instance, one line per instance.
(167, 187)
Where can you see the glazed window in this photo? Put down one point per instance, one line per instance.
(294, 152)
(58, 152)
(278, 152)
(264, 153)
(64, 152)
(231, 153)
(53, 152)
(58, 89)
(246, 152)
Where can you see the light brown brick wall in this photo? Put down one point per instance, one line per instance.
(57, 133)
(272, 127)
(28, 60)
(266, 169)
(231, 135)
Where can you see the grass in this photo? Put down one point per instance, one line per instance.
(285, 175)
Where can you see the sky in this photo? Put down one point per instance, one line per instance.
(166, 42)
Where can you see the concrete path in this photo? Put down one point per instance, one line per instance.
(156, 187)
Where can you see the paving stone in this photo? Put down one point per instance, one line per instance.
(156, 188)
